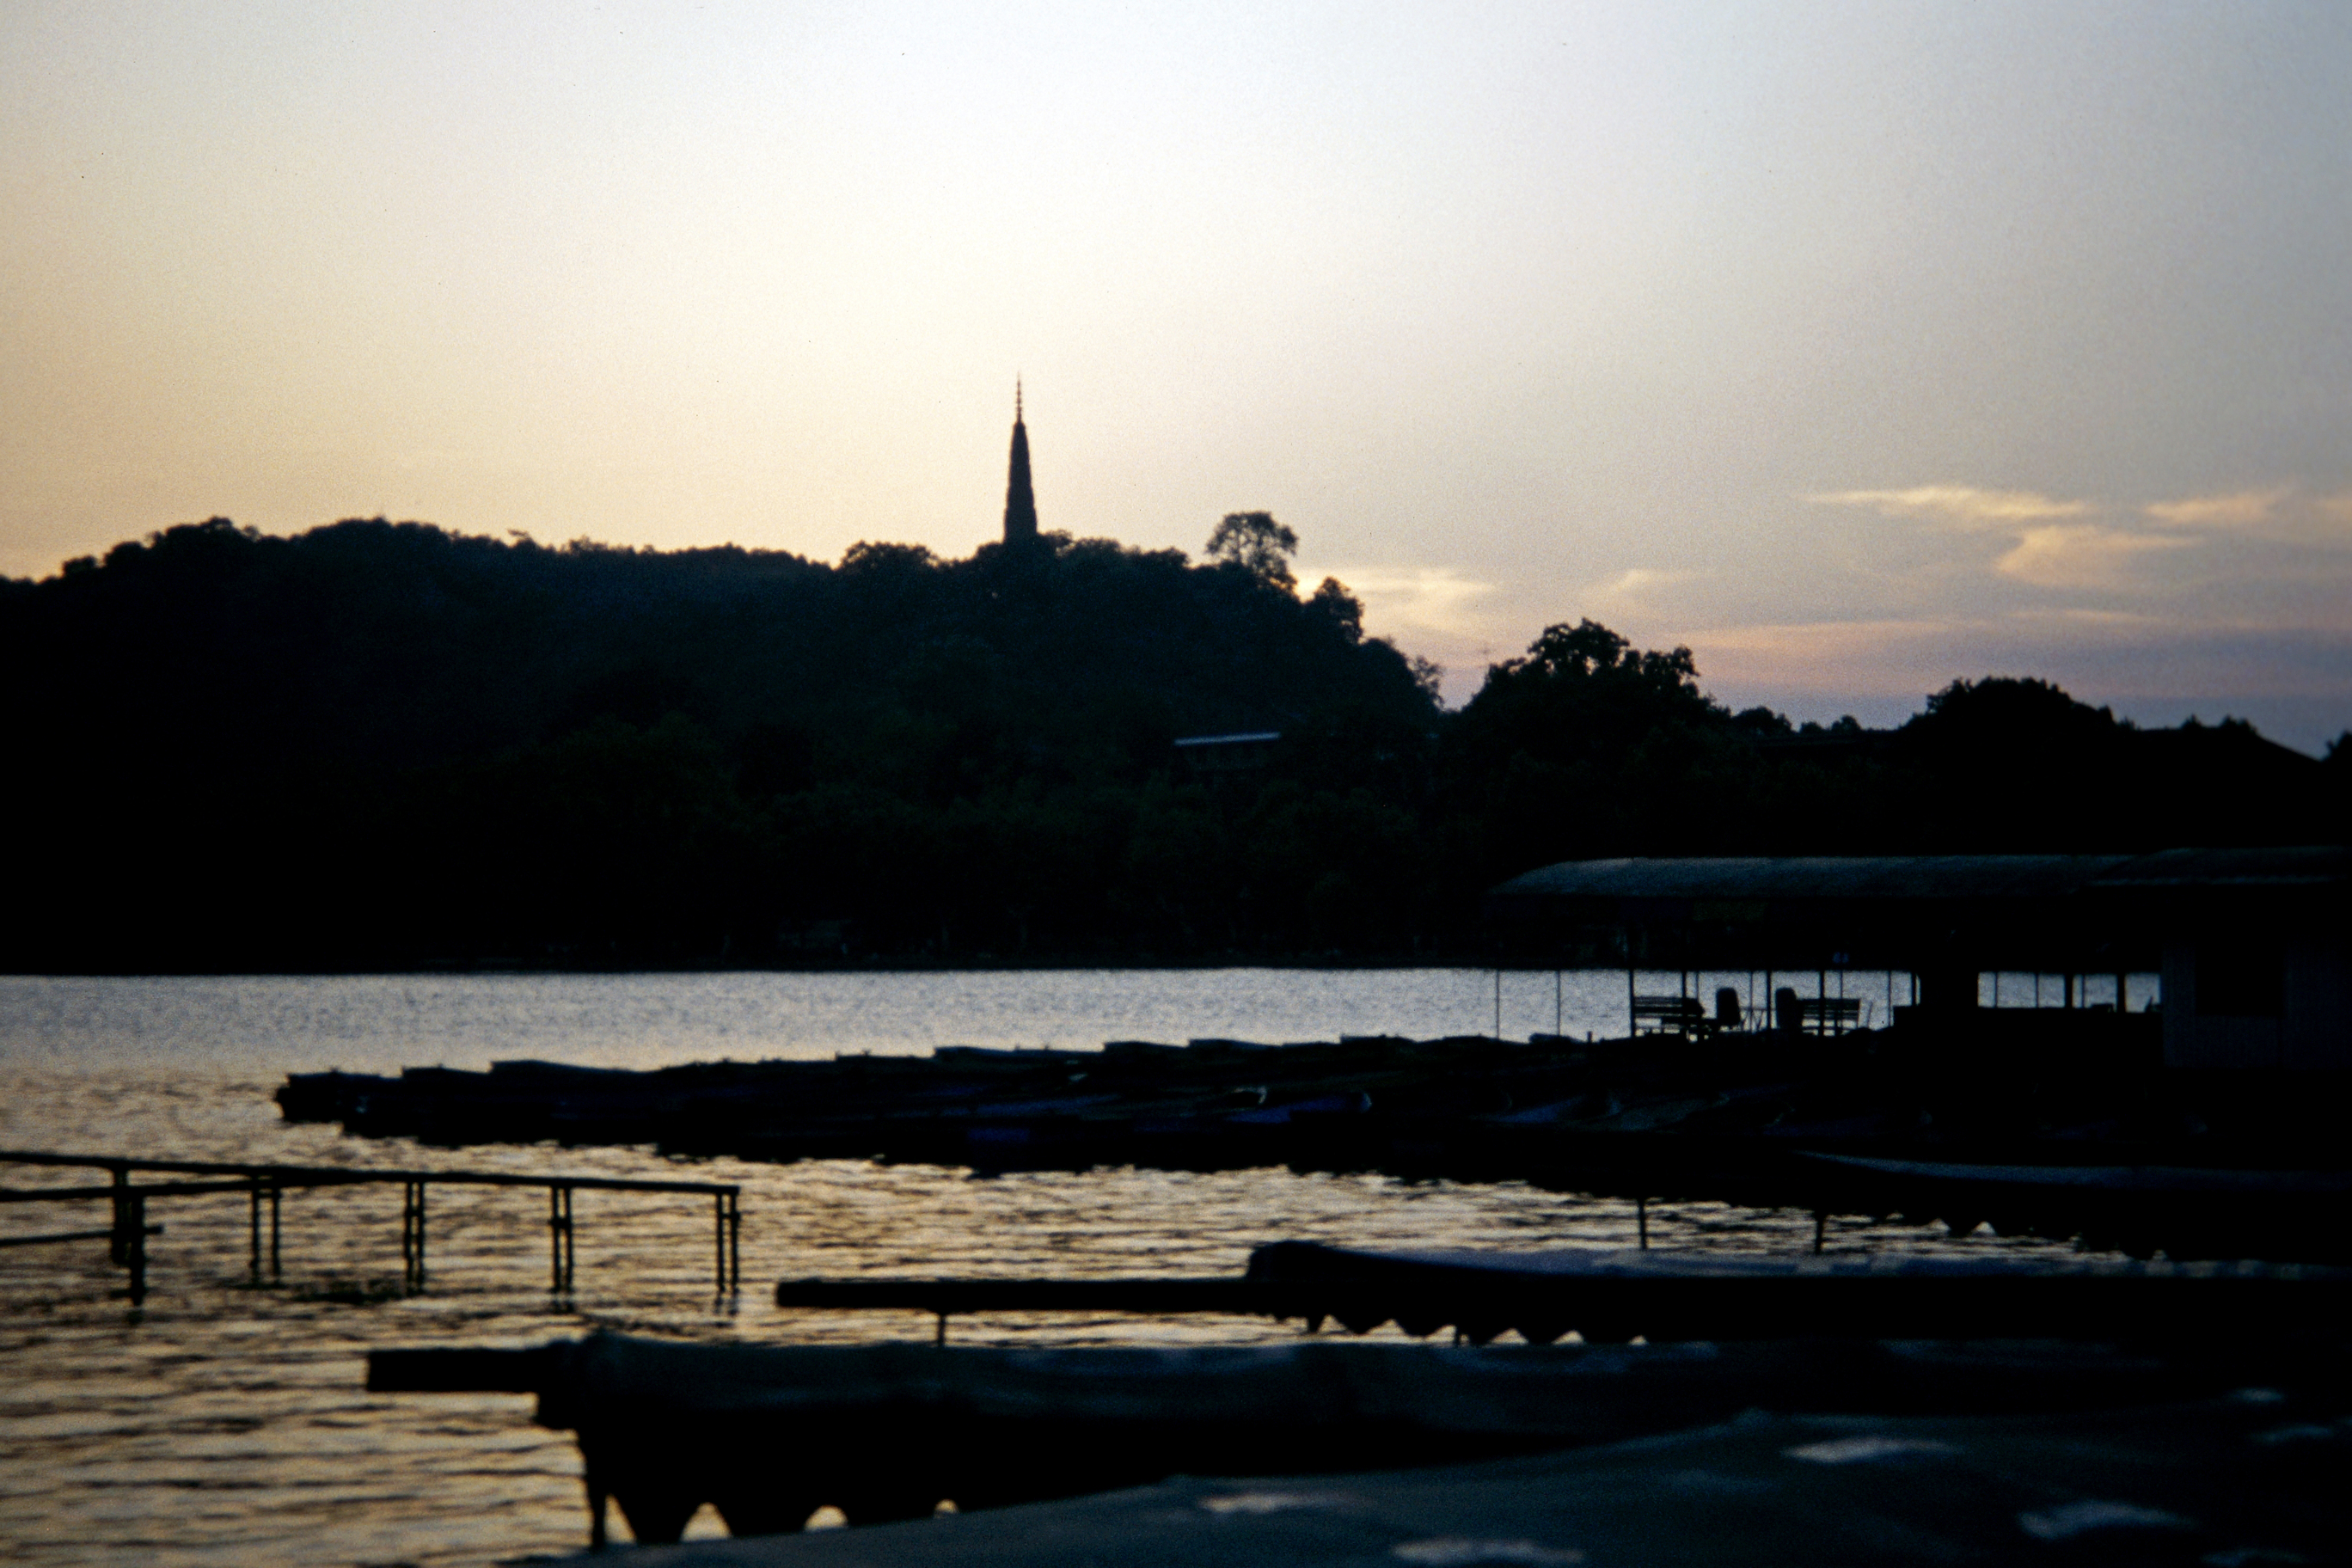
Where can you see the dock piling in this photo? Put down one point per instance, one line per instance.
(728, 1214)
(118, 1250)
(407, 1231)
(412, 1234)
(253, 1227)
(132, 1238)
(559, 1238)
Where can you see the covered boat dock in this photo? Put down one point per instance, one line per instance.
(2253, 946)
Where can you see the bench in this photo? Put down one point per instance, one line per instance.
(1829, 1014)
(1670, 1016)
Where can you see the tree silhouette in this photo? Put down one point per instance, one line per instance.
(382, 744)
(1343, 609)
(1258, 545)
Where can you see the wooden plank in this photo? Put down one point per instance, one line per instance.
(90, 1195)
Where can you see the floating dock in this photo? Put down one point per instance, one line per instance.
(2205, 1481)
(887, 1432)
(1736, 1119)
(1612, 1297)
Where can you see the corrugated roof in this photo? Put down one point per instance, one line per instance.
(2301, 866)
(1230, 740)
(1925, 878)
(1871, 877)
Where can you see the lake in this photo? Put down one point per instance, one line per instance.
(227, 1424)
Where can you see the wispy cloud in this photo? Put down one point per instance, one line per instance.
(2335, 508)
(2080, 554)
(2082, 615)
(1628, 587)
(2060, 543)
(2240, 509)
(1966, 504)
(1425, 598)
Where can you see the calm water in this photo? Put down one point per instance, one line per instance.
(227, 1424)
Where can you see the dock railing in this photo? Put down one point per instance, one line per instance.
(263, 1183)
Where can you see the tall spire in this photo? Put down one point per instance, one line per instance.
(1020, 504)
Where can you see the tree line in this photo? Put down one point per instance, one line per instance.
(386, 745)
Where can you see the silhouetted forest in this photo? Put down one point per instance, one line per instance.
(387, 745)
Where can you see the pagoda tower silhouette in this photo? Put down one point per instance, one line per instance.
(1020, 503)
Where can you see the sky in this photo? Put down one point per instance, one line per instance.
(1859, 347)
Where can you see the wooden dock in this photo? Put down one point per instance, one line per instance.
(263, 1184)
(1730, 1119)
(1614, 1296)
(884, 1432)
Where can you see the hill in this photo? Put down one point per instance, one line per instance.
(387, 745)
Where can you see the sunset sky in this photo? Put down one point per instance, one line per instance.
(1858, 346)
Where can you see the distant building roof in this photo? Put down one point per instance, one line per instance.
(1813, 877)
(2302, 866)
(1902, 877)
(1231, 740)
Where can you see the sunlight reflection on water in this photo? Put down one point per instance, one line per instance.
(228, 1424)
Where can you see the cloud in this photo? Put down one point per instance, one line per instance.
(2281, 514)
(1964, 504)
(1630, 586)
(2242, 508)
(1425, 598)
(2077, 615)
(2055, 545)
(2079, 554)
(1882, 657)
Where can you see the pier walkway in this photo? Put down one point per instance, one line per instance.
(263, 1184)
